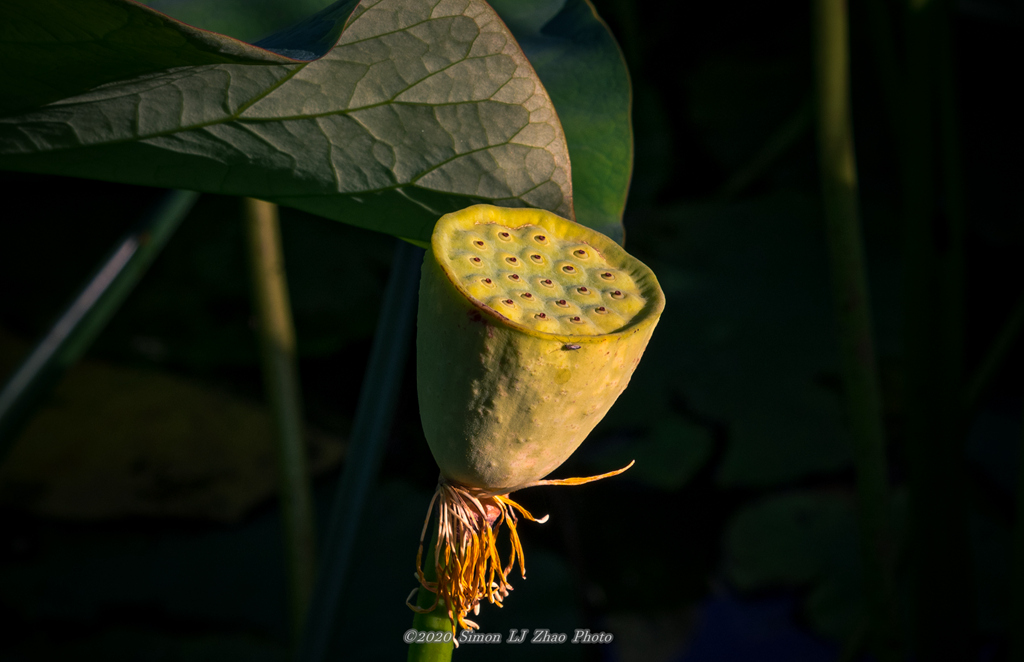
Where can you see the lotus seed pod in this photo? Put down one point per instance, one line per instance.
(529, 328)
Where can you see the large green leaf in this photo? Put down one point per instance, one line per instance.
(582, 68)
(807, 540)
(421, 107)
(241, 19)
(568, 45)
(55, 50)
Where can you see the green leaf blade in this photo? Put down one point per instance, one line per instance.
(583, 70)
(420, 107)
(53, 50)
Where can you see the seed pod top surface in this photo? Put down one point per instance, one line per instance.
(529, 328)
(543, 274)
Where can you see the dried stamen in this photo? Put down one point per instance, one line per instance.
(466, 560)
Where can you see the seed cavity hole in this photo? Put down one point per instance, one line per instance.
(579, 252)
(514, 277)
(547, 283)
(618, 295)
(526, 295)
(541, 316)
(540, 239)
(583, 290)
(608, 275)
(576, 320)
(537, 258)
(562, 303)
(509, 302)
(600, 310)
(512, 260)
(569, 269)
(478, 243)
(488, 282)
(475, 260)
(504, 236)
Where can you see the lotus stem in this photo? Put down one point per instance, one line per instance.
(281, 380)
(850, 296)
(432, 618)
(374, 414)
(86, 316)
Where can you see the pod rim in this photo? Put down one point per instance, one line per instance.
(517, 217)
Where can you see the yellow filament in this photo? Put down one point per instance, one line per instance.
(466, 559)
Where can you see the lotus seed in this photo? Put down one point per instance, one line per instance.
(550, 271)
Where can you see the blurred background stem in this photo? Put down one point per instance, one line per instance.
(77, 327)
(837, 165)
(281, 381)
(374, 415)
(994, 358)
(935, 429)
(1016, 616)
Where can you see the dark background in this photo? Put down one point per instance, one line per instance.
(733, 538)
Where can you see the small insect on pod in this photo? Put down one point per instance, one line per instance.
(529, 327)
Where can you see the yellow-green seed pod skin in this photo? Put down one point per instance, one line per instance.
(529, 328)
